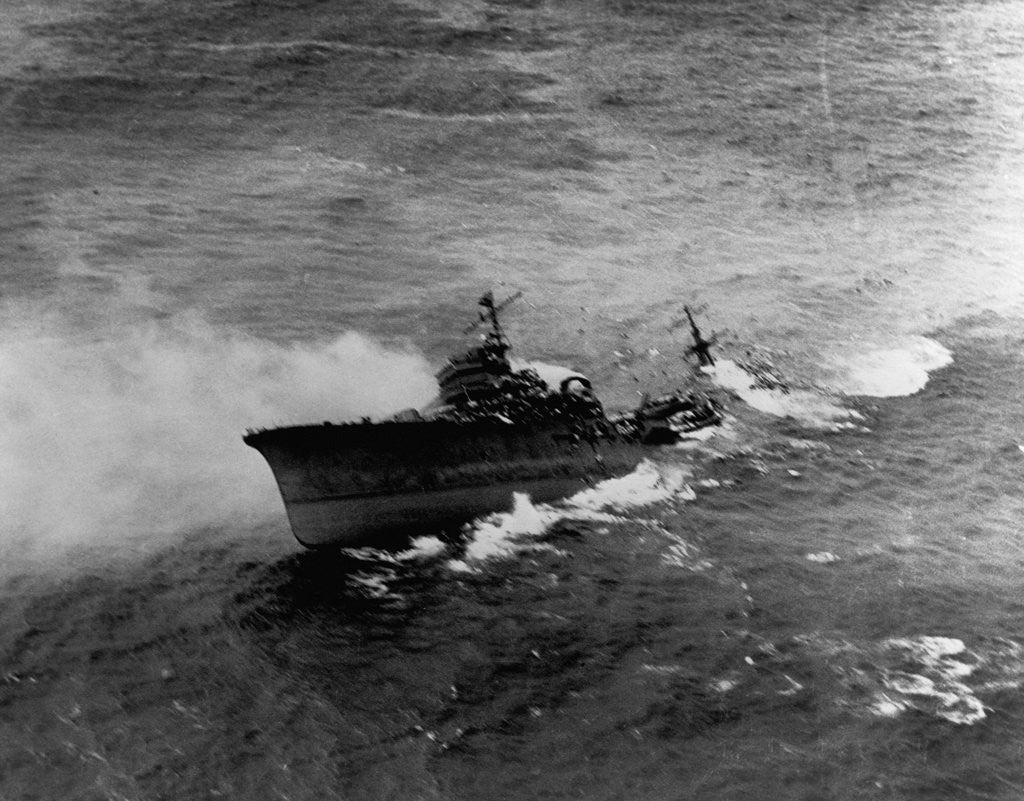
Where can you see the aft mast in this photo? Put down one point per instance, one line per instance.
(701, 347)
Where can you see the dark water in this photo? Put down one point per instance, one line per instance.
(227, 215)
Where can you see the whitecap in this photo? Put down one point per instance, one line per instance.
(936, 685)
(648, 484)
(496, 534)
(964, 710)
(937, 676)
(886, 707)
(725, 684)
(423, 548)
(684, 555)
(890, 372)
(375, 584)
(929, 649)
(792, 688)
(504, 533)
(910, 684)
(690, 440)
(810, 408)
(664, 670)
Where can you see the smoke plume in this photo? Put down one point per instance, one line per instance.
(132, 431)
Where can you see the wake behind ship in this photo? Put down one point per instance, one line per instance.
(492, 430)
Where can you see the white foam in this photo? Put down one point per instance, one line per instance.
(910, 684)
(663, 670)
(505, 533)
(937, 685)
(963, 709)
(648, 484)
(809, 408)
(496, 534)
(692, 439)
(885, 707)
(792, 688)
(724, 685)
(822, 557)
(932, 675)
(930, 649)
(684, 555)
(423, 548)
(890, 372)
(419, 548)
(375, 584)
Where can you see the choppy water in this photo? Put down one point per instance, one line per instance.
(227, 215)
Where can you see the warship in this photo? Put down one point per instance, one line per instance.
(496, 427)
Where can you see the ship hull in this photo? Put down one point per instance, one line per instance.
(377, 484)
(385, 521)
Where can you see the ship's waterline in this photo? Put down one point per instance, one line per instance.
(393, 520)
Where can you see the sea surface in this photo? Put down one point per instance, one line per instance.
(227, 214)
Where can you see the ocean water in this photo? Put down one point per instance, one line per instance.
(226, 215)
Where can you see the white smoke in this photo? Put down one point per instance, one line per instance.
(134, 431)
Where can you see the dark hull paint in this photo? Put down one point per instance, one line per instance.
(376, 483)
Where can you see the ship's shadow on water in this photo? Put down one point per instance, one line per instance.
(337, 588)
(339, 592)
(391, 587)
